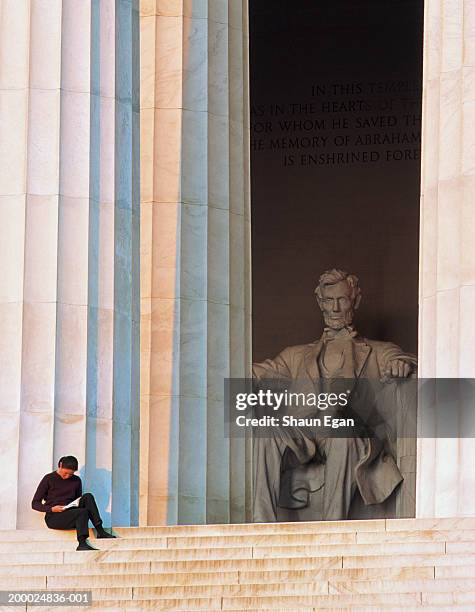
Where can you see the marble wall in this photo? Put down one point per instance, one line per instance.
(446, 479)
(195, 256)
(69, 243)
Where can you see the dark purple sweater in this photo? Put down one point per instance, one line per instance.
(56, 491)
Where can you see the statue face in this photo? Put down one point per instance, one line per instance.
(337, 305)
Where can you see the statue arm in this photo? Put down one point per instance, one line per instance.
(394, 353)
(273, 368)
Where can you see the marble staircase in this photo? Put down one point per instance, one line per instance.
(406, 564)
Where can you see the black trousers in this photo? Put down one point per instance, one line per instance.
(76, 518)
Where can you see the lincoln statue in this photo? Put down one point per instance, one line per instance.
(292, 463)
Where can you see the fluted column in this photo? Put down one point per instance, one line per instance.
(195, 257)
(68, 232)
(446, 480)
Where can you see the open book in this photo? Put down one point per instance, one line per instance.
(73, 504)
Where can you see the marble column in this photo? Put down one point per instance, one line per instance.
(195, 257)
(446, 480)
(69, 236)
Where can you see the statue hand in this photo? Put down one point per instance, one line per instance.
(398, 368)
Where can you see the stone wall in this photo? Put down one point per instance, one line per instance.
(446, 480)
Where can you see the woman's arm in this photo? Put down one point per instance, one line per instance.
(40, 495)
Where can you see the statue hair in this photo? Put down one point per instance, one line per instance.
(334, 276)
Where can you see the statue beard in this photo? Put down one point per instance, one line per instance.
(340, 322)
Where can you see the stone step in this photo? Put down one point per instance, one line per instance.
(319, 602)
(89, 559)
(285, 602)
(23, 582)
(442, 585)
(447, 524)
(456, 541)
(39, 535)
(182, 542)
(429, 535)
(436, 608)
(364, 606)
(330, 608)
(252, 577)
(99, 544)
(361, 554)
(129, 606)
(365, 565)
(463, 547)
(444, 524)
(435, 602)
(262, 540)
(252, 604)
(454, 598)
(369, 526)
(27, 569)
(459, 571)
(406, 560)
(274, 589)
(391, 548)
(405, 601)
(232, 590)
(31, 558)
(88, 563)
(177, 566)
(304, 563)
(182, 554)
(320, 538)
(310, 527)
(296, 589)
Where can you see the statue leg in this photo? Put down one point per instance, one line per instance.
(342, 457)
(268, 451)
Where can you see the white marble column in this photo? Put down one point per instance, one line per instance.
(195, 257)
(446, 479)
(68, 230)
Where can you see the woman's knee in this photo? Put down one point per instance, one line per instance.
(82, 517)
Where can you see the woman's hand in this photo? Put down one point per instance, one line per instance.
(57, 508)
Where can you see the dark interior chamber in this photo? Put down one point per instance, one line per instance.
(335, 163)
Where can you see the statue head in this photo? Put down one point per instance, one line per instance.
(338, 295)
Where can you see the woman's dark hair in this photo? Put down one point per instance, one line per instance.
(69, 462)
